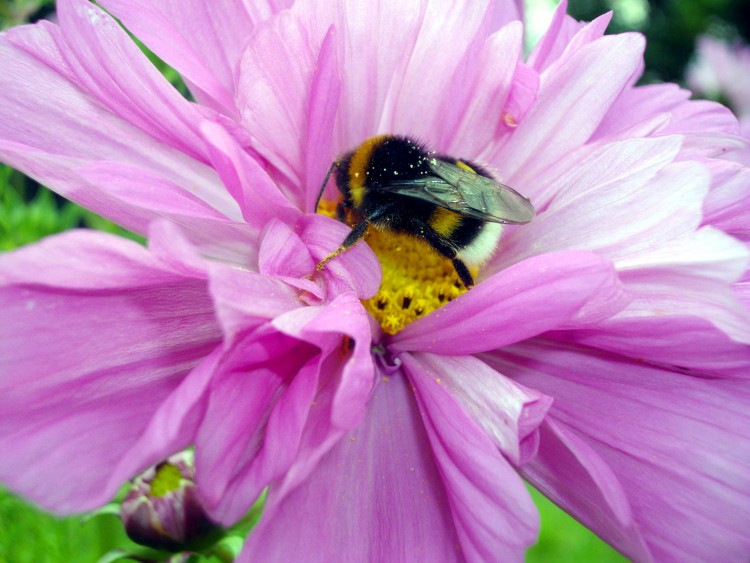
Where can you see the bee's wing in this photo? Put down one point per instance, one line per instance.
(467, 194)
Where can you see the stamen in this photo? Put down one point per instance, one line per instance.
(416, 280)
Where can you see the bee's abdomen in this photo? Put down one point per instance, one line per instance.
(444, 222)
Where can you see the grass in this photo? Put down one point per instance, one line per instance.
(28, 535)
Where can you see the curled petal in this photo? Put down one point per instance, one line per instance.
(530, 297)
(507, 412)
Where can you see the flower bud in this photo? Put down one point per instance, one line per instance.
(162, 510)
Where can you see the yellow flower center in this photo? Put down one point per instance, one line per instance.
(416, 279)
(166, 480)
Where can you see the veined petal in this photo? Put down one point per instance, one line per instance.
(357, 269)
(244, 300)
(389, 502)
(137, 198)
(481, 96)
(727, 206)
(258, 197)
(703, 266)
(524, 300)
(573, 98)
(569, 472)
(324, 327)
(185, 249)
(120, 332)
(420, 106)
(283, 253)
(259, 374)
(274, 81)
(507, 412)
(559, 33)
(686, 343)
(207, 54)
(110, 67)
(678, 445)
(325, 93)
(639, 104)
(272, 399)
(492, 511)
(51, 128)
(174, 425)
(621, 199)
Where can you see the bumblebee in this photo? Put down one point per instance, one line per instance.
(393, 183)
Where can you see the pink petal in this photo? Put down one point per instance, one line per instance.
(271, 394)
(599, 203)
(244, 300)
(560, 31)
(389, 29)
(325, 92)
(173, 427)
(564, 37)
(521, 97)
(185, 250)
(406, 514)
(480, 96)
(727, 206)
(232, 456)
(110, 67)
(283, 253)
(678, 445)
(142, 198)
(493, 513)
(420, 106)
(685, 343)
(376, 496)
(206, 55)
(704, 314)
(504, 12)
(528, 298)
(573, 98)
(51, 129)
(507, 412)
(569, 472)
(324, 327)
(636, 105)
(119, 333)
(258, 196)
(275, 76)
(357, 269)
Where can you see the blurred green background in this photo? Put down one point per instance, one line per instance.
(29, 212)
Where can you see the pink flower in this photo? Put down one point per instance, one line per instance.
(721, 71)
(603, 352)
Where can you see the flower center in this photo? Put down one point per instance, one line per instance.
(166, 480)
(416, 279)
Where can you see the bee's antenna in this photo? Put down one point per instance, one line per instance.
(334, 164)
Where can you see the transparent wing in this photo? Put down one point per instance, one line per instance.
(467, 193)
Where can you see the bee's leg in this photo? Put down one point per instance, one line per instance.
(354, 236)
(323, 187)
(444, 247)
(341, 210)
(463, 273)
